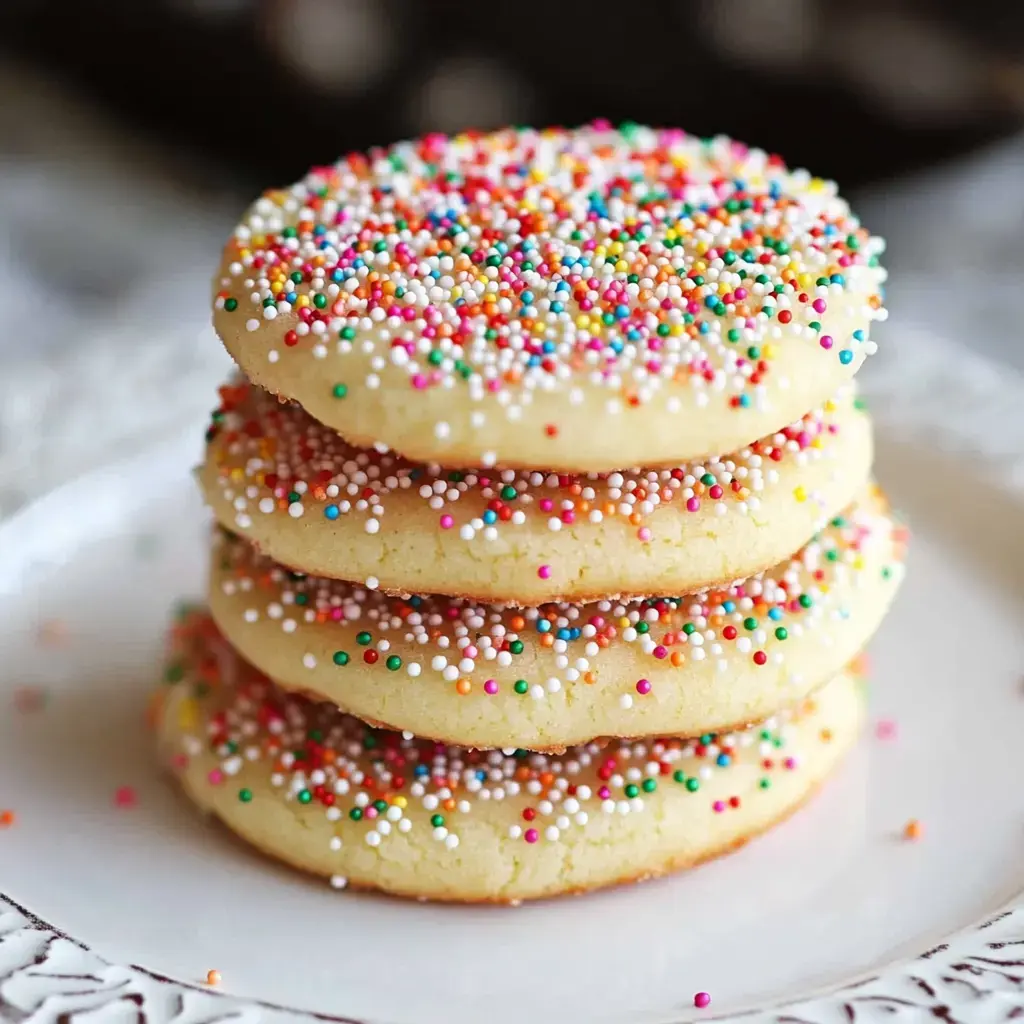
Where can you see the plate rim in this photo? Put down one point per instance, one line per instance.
(969, 966)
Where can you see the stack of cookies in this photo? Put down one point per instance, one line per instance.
(547, 541)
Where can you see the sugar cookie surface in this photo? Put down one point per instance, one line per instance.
(562, 300)
(554, 674)
(313, 502)
(370, 808)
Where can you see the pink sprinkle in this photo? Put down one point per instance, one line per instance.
(660, 652)
(819, 305)
(491, 687)
(419, 381)
(886, 729)
(604, 793)
(531, 835)
(370, 812)
(701, 1000)
(643, 686)
(718, 806)
(716, 492)
(546, 504)
(825, 341)
(544, 572)
(216, 777)
(644, 533)
(790, 763)
(29, 699)
(125, 796)
(692, 504)
(447, 522)
(179, 762)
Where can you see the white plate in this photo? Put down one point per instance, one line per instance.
(88, 577)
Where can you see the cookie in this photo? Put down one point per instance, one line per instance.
(376, 809)
(581, 300)
(555, 674)
(311, 501)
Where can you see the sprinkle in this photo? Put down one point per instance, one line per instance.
(53, 633)
(544, 572)
(29, 699)
(125, 796)
(701, 1000)
(913, 830)
(6, 819)
(213, 977)
(886, 729)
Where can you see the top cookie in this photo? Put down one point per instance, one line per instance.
(569, 300)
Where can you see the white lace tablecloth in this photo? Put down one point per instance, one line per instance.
(105, 261)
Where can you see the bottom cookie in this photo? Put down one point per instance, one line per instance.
(365, 807)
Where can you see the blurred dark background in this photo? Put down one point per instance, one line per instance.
(859, 90)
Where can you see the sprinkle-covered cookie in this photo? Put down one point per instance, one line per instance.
(577, 300)
(310, 500)
(554, 674)
(370, 808)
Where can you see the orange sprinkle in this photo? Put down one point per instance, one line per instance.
(913, 829)
(463, 686)
(213, 977)
(6, 819)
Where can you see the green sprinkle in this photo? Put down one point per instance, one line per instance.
(750, 624)
(394, 663)
(649, 785)
(521, 686)
(340, 657)
(516, 647)
(781, 633)
(631, 791)
(245, 795)
(231, 305)
(339, 390)
(679, 775)
(437, 820)
(363, 638)
(305, 796)
(692, 784)
(355, 814)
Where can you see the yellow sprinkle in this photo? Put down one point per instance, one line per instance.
(800, 493)
(187, 714)
(400, 801)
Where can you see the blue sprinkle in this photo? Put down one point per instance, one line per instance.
(563, 634)
(846, 356)
(858, 335)
(557, 307)
(729, 607)
(621, 312)
(490, 516)
(543, 626)
(775, 614)
(332, 511)
(745, 401)
(527, 297)
(724, 760)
